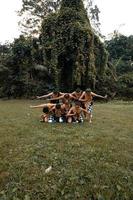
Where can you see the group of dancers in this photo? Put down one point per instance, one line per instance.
(68, 107)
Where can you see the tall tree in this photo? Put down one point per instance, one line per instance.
(34, 11)
(73, 53)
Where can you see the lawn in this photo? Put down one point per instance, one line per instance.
(88, 161)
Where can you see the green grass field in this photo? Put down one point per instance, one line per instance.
(89, 161)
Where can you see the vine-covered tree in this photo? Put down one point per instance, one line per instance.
(73, 53)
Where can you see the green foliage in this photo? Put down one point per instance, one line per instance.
(67, 54)
(117, 47)
(125, 85)
(76, 4)
(73, 53)
(22, 73)
(121, 54)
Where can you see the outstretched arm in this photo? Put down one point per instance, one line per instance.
(39, 106)
(57, 98)
(97, 95)
(45, 96)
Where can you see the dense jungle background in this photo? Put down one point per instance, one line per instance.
(61, 47)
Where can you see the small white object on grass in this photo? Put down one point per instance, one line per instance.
(48, 169)
(50, 120)
(60, 120)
